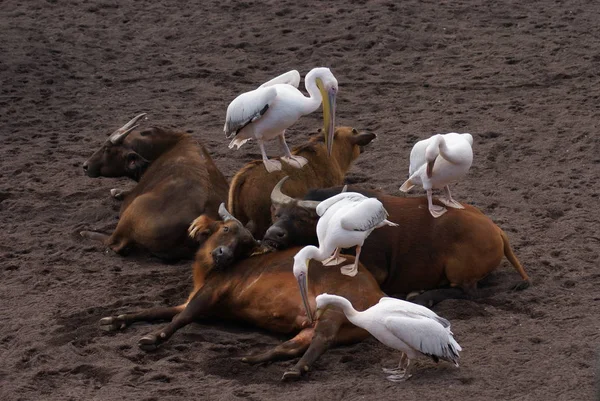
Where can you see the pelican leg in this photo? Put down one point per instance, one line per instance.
(351, 270)
(448, 201)
(402, 377)
(270, 165)
(334, 259)
(435, 210)
(289, 158)
(400, 369)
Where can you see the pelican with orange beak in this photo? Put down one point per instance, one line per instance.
(266, 112)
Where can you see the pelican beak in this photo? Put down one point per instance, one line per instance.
(430, 168)
(328, 97)
(303, 284)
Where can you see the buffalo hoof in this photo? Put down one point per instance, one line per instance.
(291, 375)
(113, 323)
(251, 360)
(149, 342)
(522, 285)
(118, 194)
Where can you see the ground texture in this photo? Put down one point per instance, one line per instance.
(521, 76)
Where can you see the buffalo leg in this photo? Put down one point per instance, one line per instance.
(196, 307)
(289, 349)
(326, 330)
(120, 246)
(119, 322)
(96, 236)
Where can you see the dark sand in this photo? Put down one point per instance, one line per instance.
(521, 76)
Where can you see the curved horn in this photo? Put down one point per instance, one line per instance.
(308, 204)
(225, 215)
(345, 188)
(278, 197)
(119, 135)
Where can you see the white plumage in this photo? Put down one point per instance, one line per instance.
(346, 220)
(266, 112)
(410, 328)
(437, 162)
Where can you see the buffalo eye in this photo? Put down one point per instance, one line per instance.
(225, 229)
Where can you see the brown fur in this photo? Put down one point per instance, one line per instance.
(263, 291)
(423, 253)
(178, 182)
(249, 195)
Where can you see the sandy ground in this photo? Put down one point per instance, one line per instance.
(522, 77)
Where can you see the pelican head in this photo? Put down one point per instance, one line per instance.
(328, 86)
(301, 261)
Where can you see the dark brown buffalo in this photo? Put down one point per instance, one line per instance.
(423, 253)
(234, 279)
(250, 188)
(178, 181)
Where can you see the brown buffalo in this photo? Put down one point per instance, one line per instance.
(262, 290)
(250, 188)
(424, 253)
(177, 182)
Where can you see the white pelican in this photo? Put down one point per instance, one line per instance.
(437, 162)
(266, 112)
(410, 328)
(346, 220)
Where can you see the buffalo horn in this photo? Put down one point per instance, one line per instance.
(225, 215)
(278, 197)
(119, 135)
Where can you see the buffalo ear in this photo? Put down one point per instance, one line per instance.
(354, 131)
(135, 162)
(251, 226)
(362, 139)
(202, 228)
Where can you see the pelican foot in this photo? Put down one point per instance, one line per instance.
(349, 270)
(333, 261)
(398, 378)
(272, 165)
(295, 161)
(450, 203)
(437, 211)
(395, 371)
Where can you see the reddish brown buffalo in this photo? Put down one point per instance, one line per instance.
(250, 188)
(423, 253)
(262, 290)
(177, 182)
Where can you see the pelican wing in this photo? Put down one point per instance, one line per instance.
(364, 216)
(327, 203)
(425, 335)
(394, 305)
(290, 78)
(246, 108)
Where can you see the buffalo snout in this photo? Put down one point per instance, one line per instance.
(276, 237)
(222, 256)
(89, 170)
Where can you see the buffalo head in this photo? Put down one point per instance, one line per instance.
(115, 158)
(223, 242)
(294, 221)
